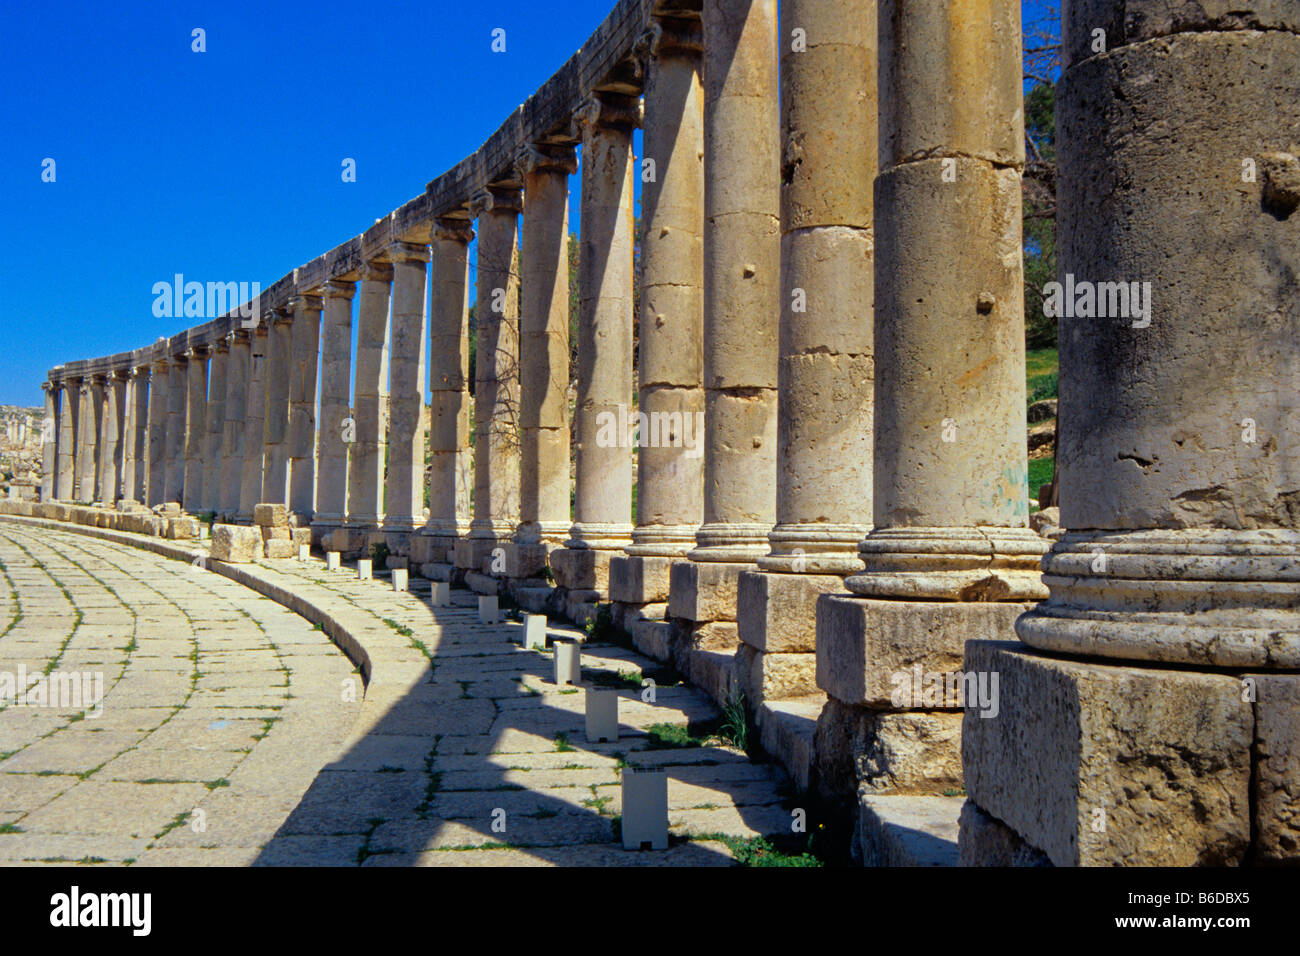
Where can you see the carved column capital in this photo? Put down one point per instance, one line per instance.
(408, 252)
(531, 158)
(605, 110)
(338, 289)
(453, 230)
(305, 302)
(376, 271)
(496, 199)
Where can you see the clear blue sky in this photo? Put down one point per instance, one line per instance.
(225, 165)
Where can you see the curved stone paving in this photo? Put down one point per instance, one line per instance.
(463, 752)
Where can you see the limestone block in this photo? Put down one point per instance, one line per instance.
(763, 676)
(281, 548)
(986, 841)
(865, 646)
(270, 533)
(911, 752)
(907, 831)
(778, 612)
(653, 639)
(181, 529)
(1277, 768)
(639, 580)
(520, 560)
(704, 591)
(236, 544)
(787, 729)
(1110, 765)
(300, 536)
(712, 672)
(581, 568)
(272, 515)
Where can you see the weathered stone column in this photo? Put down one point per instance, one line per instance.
(449, 414)
(670, 457)
(112, 404)
(232, 440)
(159, 403)
(603, 479)
(543, 358)
(49, 441)
(951, 556)
(337, 428)
(404, 487)
(304, 356)
(92, 409)
(1167, 735)
(196, 431)
(69, 402)
(216, 427)
(496, 381)
(135, 435)
(366, 461)
(177, 392)
(275, 423)
(251, 472)
(824, 415)
(742, 257)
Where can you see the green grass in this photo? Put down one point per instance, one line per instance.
(1040, 473)
(1040, 374)
(562, 744)
(760, 851)
(670, 736)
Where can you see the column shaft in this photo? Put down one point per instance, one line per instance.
(275, 463)
(304, 344)
(65, 479)
(251, 472)
(49, 441)
(196, 434)
(232, 441)
(92, 392)
(366, 458)
(337, 426)
(110, 435)
(159, 402)
(405, 485)
(216, 427)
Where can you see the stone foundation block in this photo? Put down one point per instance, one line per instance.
(438, 572)
(1099, 765)
(639, 580)
(765, 677)
(271, 515)
(520, 560)
(235, 544)
(1277, 768)
(907, 831)
(271, 533)
(713, 672)
(398, 542)
(178, 529)
(582, 569)
(987, 841)
(481, 583)
(281, 548)
(777, 613)
(867, 648)
(300, 536)
(911, 752)
(653, 639)
(470, 553)
(704, 591)
(787, 729)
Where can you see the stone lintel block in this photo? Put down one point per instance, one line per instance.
(271, 515)
(581, 568)
(984, 840)
(235, 544)
(778, 612)
(909, 752)
(704, 590)
(765, 677)
(1101, 765)
(639, 580)
(867, 647)
(1277, 768)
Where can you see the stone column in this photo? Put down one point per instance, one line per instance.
(824, 414)
(174, 477)
(215, 427)
(304, 357)
(366, 460)
(603, 479)
(543, 358)
(69, 402)
(134, 428)
(1162, 690)
(449, 414)
(496, 381)
(337, 427)
(404, 488)
(196, 431)
(742, 257)
(92, 392)
(251, 471)
(232, 439)
(49, 440)
(951, 556)
(113, 406)
(275, 458)
(159, 389)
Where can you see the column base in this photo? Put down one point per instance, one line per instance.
(951, 564)
(601, 537)
(662, 541)
(730, 543)
(814, 549)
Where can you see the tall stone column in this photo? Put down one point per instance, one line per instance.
(159, 402)
(603, 479)
(824, 405)
(543, 358)
(449, 414)
(496, 380)
(275, 459)
(126, 452)
(69, 406)
(196, 431)
(366, 460)
(135, 435)
(215, 423)
(742, 257)
(177, 397)
(232, 439)
(1162, 690)
(670, 457)
(251, 476)
(951, 556)
(112, 404)
(304, 358)
(92, 404)
(49, 441)
(404, 488)
(337, 427)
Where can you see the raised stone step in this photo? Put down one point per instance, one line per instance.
(908, 831)
(786, 731)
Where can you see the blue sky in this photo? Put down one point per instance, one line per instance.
(225, 165)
